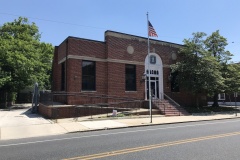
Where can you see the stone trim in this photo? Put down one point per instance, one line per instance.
(104, 60)
(62, 60)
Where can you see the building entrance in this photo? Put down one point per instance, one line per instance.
(154, 86)
(153, 69)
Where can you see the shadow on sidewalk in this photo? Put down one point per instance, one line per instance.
(29, 114)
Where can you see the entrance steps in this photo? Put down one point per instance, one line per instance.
(169, 109)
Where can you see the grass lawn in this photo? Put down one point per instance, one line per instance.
(210, 109)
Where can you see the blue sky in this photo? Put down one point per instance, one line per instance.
(173, 20)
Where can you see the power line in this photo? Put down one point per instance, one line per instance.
(74, 24)
(53, 21)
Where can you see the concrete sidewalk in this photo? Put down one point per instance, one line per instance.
(21, 123)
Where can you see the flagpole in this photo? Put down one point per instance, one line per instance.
(149, 87)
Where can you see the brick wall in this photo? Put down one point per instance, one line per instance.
(57, 112)
(44, 110)
(74, 76)
(56, 71)
(111, 57)
(187, 99)
(89, 49)
(85, 47)
(62, 49)
(117, 49)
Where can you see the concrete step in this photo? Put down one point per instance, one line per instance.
(169, 109)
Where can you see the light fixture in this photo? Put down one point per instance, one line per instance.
(143, 77)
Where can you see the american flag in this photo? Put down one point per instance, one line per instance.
(151, 30)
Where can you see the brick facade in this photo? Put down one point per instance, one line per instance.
(110, 58)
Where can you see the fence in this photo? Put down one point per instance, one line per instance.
(53, 105)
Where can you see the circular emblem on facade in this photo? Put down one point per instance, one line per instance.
(130, 49)
(152, 59)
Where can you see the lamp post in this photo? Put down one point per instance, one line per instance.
(144, 78)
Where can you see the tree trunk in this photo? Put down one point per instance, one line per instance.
(197, 100)
(215, 100)
(9, 99)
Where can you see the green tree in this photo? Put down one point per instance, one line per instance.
(204, 67)
(197, 72)
(215, 45)
(24, 60)
(231, 73)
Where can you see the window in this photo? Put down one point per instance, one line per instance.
(174, 82)
(88, 76)
(221, 96)
(63, 77)
(130, 77)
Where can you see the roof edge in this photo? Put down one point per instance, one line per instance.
(129, 36)
(85, 39)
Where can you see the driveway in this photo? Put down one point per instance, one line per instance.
(20, 115)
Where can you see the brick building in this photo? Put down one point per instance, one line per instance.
(118, 67)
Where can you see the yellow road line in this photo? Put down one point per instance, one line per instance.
(154, 146)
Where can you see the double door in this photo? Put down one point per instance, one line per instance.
(154, 87)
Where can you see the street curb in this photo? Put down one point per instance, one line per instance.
(110, 118)
(141, 116)
(144, 125)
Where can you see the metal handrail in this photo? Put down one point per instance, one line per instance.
(171, 100)
(94, 95)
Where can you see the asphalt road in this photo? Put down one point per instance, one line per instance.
(207, 140)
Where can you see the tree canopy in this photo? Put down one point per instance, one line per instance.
(24, 60)
(204, 66)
